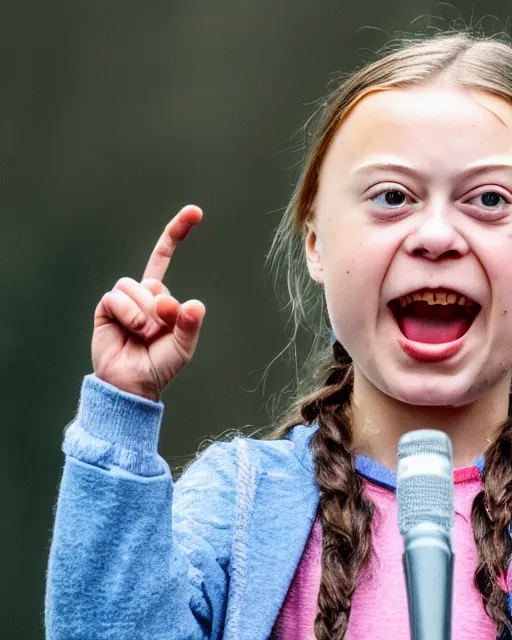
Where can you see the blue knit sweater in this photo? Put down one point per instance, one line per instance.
(135, 556)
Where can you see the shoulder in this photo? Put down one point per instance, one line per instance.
(292, 451)
(227, 480)
(228, 462)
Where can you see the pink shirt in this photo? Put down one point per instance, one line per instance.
(379, 606)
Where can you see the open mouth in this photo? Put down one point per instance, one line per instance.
(434, 316)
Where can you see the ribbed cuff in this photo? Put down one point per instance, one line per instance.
(113, 427)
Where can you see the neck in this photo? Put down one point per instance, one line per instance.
(380, 420)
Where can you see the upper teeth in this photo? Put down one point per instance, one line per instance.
(437, 297)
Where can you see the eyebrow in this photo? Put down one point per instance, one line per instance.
(414, 173)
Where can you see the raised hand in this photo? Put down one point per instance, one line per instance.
(142, 335)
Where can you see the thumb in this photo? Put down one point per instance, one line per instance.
(185, 323)
(188, 324)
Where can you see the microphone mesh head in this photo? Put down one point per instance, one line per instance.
(425, 480)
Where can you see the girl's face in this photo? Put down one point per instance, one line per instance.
(415, 196)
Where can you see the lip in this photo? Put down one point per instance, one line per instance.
(432, 352)
(425, 352)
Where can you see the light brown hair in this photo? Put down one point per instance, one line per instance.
(474, 63)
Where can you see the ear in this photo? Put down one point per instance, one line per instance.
(313, 255)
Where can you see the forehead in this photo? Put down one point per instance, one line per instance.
(428, 125)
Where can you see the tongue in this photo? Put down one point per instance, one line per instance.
(434, 324)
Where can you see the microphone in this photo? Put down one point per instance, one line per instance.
(425, 518)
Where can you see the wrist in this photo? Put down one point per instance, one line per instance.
(118, 416)
(146, 392)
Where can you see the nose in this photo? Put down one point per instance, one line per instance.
(435, 236)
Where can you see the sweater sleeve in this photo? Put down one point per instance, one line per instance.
(134, 555)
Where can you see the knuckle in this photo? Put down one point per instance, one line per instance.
(139, 322)
(154, 286)
(124, 283)
(147, 282)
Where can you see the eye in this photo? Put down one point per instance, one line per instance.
(390, 199)
(491, 200)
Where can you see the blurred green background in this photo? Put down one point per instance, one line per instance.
(113, 114)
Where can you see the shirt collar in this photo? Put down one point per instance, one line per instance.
(368, 468)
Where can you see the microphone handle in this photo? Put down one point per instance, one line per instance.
(428, 565)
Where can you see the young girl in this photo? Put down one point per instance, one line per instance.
(403, 216)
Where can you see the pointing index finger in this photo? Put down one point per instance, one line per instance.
(176, 231)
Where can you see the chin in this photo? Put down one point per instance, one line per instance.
(434, 392)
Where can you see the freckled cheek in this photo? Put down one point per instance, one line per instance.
(345, 275)
(499, 274)
(503, 318)
(355, 272)
(350, 302)
(501, 342)
(498, 319)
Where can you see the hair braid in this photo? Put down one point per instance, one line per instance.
(343, 511)
(491, 517)
(346, 515)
